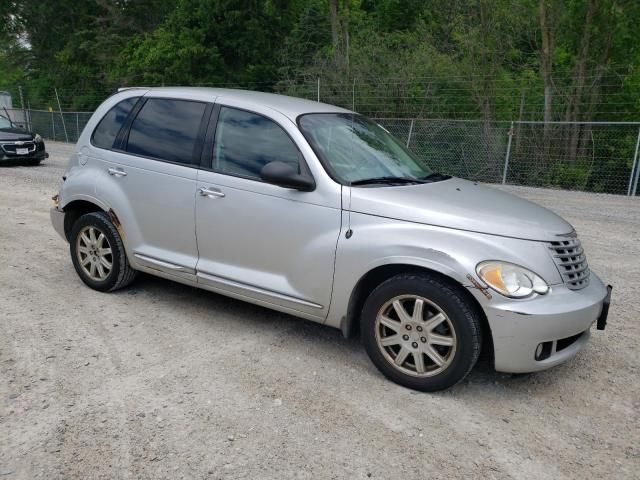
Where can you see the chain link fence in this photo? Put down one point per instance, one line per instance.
(587, 156)
(467, 149)
(51, 125)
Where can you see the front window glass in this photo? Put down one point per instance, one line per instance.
(245, 142)
(4, 123)
(355, 148)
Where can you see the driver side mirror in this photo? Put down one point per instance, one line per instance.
(284, 175)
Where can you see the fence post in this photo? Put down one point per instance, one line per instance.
(633, 178)
(318, 89)
(64, 127)
(53, 126)
(410, 131)
(353, 95)
(77, 127)
(24, 113)
(506, 158)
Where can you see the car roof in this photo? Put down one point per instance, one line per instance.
(291, 107)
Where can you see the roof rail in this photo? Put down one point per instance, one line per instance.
(122, 89)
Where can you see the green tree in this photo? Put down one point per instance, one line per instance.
(213, 41)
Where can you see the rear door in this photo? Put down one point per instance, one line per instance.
(149, 179)
(258, 241)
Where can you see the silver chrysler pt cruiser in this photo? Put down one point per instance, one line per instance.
(319, 212)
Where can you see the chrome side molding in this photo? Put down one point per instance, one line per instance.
(162, 265)
(222, 282)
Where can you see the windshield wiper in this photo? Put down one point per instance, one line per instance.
(435, 177)
(386, 180)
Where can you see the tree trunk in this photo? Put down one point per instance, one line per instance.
(575, 98)
(339, 16)
(594, 96)
(486, 93)
(516, 148)
(546, 68)
(345, 34)
(333, 13)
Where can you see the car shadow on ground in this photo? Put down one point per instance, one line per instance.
(20, 163)
(483, 376)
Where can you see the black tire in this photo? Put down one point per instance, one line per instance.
(463, 318)
(35, 162)
(121, 273)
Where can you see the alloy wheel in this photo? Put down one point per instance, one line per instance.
(415, 336)
(94, 253)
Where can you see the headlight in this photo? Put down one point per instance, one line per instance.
(511, 280)
(37, 138)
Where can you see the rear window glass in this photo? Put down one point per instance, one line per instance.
(166, 129)
(105, 133)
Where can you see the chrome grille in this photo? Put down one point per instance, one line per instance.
(11, 147)
(571, 261)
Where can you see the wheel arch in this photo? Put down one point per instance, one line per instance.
(79, 206)
(374, 277)
(75, 209)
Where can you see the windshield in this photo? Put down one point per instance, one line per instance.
(355, 148)
(4, 123)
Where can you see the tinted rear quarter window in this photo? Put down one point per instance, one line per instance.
(245, 142)
(166, 129)
(105, 133)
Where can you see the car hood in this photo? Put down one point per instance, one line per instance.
(13, 134)
(463, 205)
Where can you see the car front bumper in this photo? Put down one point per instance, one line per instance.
(37, 155)
(556, 325)
(8, 151)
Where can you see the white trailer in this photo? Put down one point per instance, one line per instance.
(5, 101)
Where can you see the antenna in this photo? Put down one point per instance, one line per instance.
(353, 98)
(349, 233)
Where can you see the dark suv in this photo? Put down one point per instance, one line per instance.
(18, 144)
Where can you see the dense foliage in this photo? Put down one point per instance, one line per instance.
(461, 58)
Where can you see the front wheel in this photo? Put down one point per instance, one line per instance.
(421, 332)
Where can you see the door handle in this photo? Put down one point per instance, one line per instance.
(211, 193)
(117, 172)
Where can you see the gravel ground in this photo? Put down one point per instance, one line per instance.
(165, 381)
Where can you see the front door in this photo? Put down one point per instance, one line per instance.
(271, 245)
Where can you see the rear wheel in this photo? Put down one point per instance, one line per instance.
(421, 332)
(98, 253)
